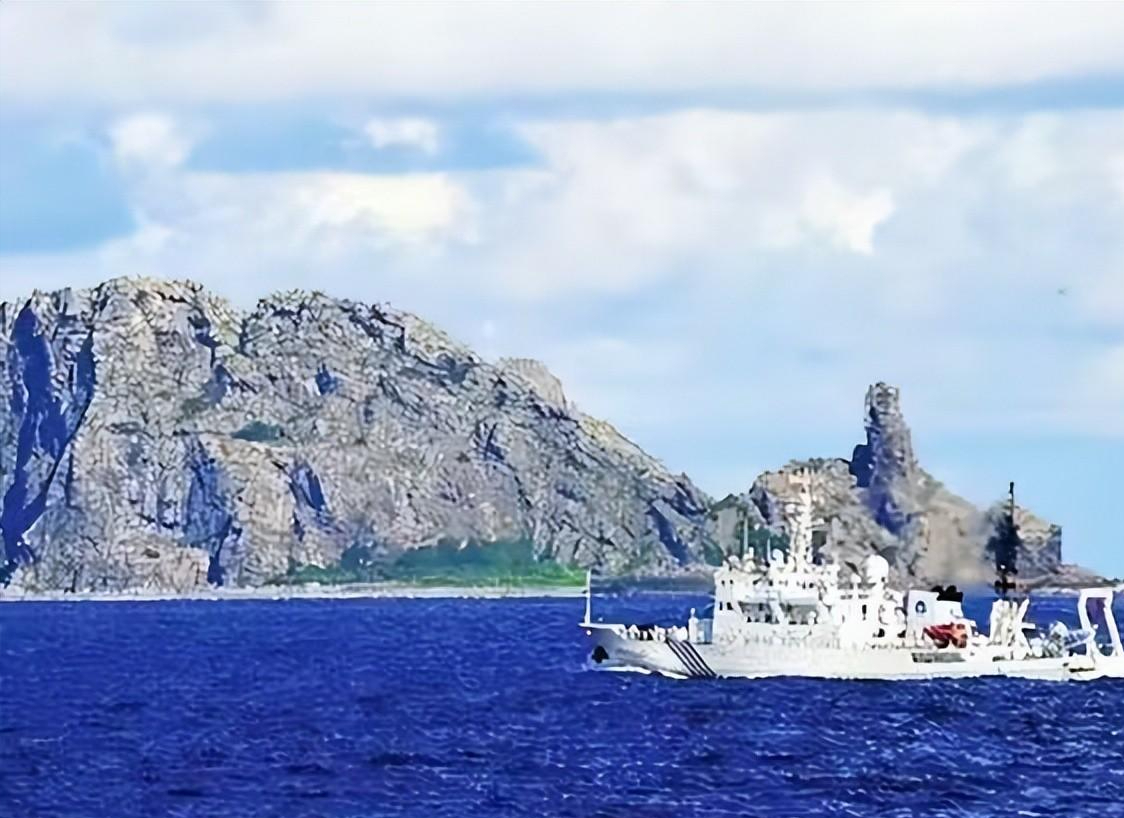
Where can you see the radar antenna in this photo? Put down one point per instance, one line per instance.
(1004, 543)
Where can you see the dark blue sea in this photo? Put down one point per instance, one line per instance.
(361, 708)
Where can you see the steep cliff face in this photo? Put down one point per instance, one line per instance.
(883, 501)
(154, 436)
(839, 507)
(885, 466)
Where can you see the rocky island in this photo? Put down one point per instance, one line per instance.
(154, 437)
(882, 500)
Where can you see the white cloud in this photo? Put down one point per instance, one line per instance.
(850, 219)
(317, 219)
(249, 234)
(416, 207)
(126, 53)
(149, 140)
(766, 266)
(623, 203)
(404, 132)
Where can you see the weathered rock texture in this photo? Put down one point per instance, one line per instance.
(153, 436)
(883, 501)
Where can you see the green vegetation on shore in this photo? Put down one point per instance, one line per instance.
(503, 563)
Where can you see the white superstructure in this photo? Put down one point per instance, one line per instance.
(791, 615)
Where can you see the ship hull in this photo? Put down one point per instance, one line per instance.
(683, 659)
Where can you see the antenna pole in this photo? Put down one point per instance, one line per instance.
(745, 532)
(588, 595)
(1006, 546)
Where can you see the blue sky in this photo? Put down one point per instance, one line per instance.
(716, 223)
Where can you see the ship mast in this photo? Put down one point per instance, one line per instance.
(1005, 544)
(798, 521)
(588, 596)
(745, 532)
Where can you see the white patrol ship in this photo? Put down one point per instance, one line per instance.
(788, 615)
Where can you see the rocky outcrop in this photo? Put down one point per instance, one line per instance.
(1040, 552)
(536, 375)
(838, 505)
(885, 466)
(883, 501)
(155, 436)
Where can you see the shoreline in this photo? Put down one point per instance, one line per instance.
(393, 590)
(281, 593)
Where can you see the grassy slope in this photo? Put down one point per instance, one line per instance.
(472, 563)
